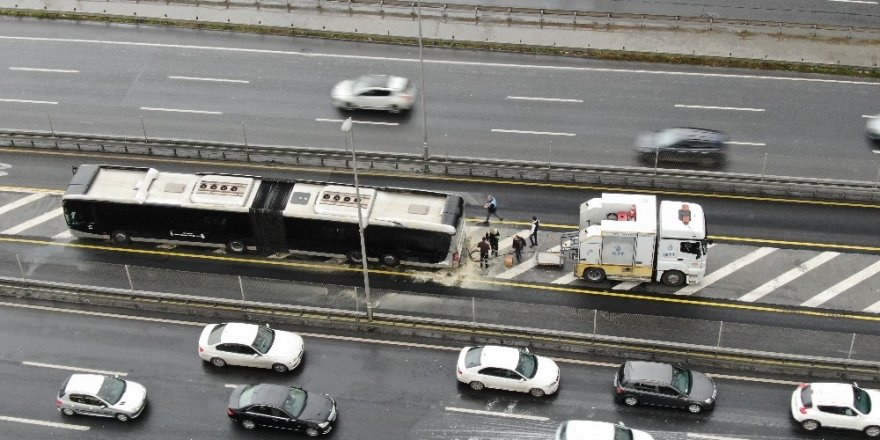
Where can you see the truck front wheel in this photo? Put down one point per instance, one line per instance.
(594, 275)
(673, 278)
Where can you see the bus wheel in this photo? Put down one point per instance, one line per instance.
(390, 260)
(354, 257)
(236, 246)
(120, 237)
(594, 275)
(673, 278)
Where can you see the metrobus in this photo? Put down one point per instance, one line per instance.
(267, 215)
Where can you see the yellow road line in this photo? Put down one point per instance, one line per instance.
(466, 179)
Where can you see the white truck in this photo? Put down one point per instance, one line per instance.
(624, 237)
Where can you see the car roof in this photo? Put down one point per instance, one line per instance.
(270, 394)
(700, 134)
(239, 333)
(588, 429)
(835, 394)
(499, 357)
(84, 384)
(382, 82)
(643, 371)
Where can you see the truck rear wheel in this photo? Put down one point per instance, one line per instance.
(594, 275)
(673, 278)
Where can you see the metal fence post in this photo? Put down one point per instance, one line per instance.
(357, 301)
(20, 267)
(241, 289)
(764, 167)
(720, 330)
(595, 320)
(851, 345)
(128, 275)
(144, 128)
(473, 312)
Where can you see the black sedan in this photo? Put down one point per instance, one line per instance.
(282, 407)
(655, 383)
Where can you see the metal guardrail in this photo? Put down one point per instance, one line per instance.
(600, 175)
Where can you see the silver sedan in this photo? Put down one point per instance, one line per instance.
(102, 396)
(375, 92)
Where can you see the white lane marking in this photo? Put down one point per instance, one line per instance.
(547, 133)
(864, 2)
(838, 288)
(44, 423)
(712, 437)
(77, 369)
(529, 98)
(104, 315)
(179, 110)
(712, 107)
(565, 279)
(195, 78)
(875, 151)
(497, 414)
(447, 62)
(17, 229)
(871, 116)
(626, 285)
(28, 101)
(751, 144)
(753, 379)
(787, 277)
(525, 265)
(21, 202)
(230, 385)
(356, 122)
(727, 270)
(36, 69)
(62, 235)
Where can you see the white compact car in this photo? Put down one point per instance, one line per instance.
(102, 396)
(507, 368)
(250, 345)
(836, 405)
(585, 429)
(375, 92)
(872, 128)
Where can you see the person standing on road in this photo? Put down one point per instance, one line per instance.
(491, 209)
(519, 244)
(493, 240)
(484, 252)
(536, 225)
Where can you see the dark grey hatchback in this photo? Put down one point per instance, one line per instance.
(694, 145)
(655, 383)
(282, 407)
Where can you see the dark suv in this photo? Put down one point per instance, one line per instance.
(693, 145)
(655, 383)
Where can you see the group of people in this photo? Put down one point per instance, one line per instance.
(489, 243)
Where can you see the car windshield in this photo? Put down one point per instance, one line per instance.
(862, 400)
(528, 364)
(263, 341)
(112, 390)
(472, 357)
(621, 433)
(296, 401)
(681, 380)
(247, 395)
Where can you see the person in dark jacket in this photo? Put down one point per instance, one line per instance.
(484, 252)
(493, 236)
(519, 244)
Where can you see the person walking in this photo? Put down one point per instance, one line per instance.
(491, 209)
(536, 225)
(493, 236)
(519, 244)
(484, 252)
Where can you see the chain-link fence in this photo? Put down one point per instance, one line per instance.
(264, 291)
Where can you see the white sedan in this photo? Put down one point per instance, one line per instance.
(837, 405)
(375, 92)
(586, 429)
(507, 368)
(250, 345)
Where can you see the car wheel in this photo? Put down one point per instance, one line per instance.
(348, 106)
(537, 392)
(120, 237)
(477, 386)
(673, 278)
(594, 275)
(248, 424)
(236, 246)
(354, 257)
(872, 431)
(217, 362)
(68, 412)
(312, 432)
(390, 260)
(122, 417)
(280, 368)
(810, 425)
(695, 409)
(631, 401)
(394, 109)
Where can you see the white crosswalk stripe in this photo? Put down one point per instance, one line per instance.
(842, 286)
(18, 229)
(21, 202)
(727, 270)
(787, 277)
(524, 266)
(565, 279)
(63, 235)
(626, 285)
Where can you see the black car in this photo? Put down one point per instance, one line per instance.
(655, 383)
(283, 407)
(693, 145)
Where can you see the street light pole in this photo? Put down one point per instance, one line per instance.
(346, 127)
(425, 154)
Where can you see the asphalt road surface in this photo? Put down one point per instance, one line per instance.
(394, 391)
(160, 82)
